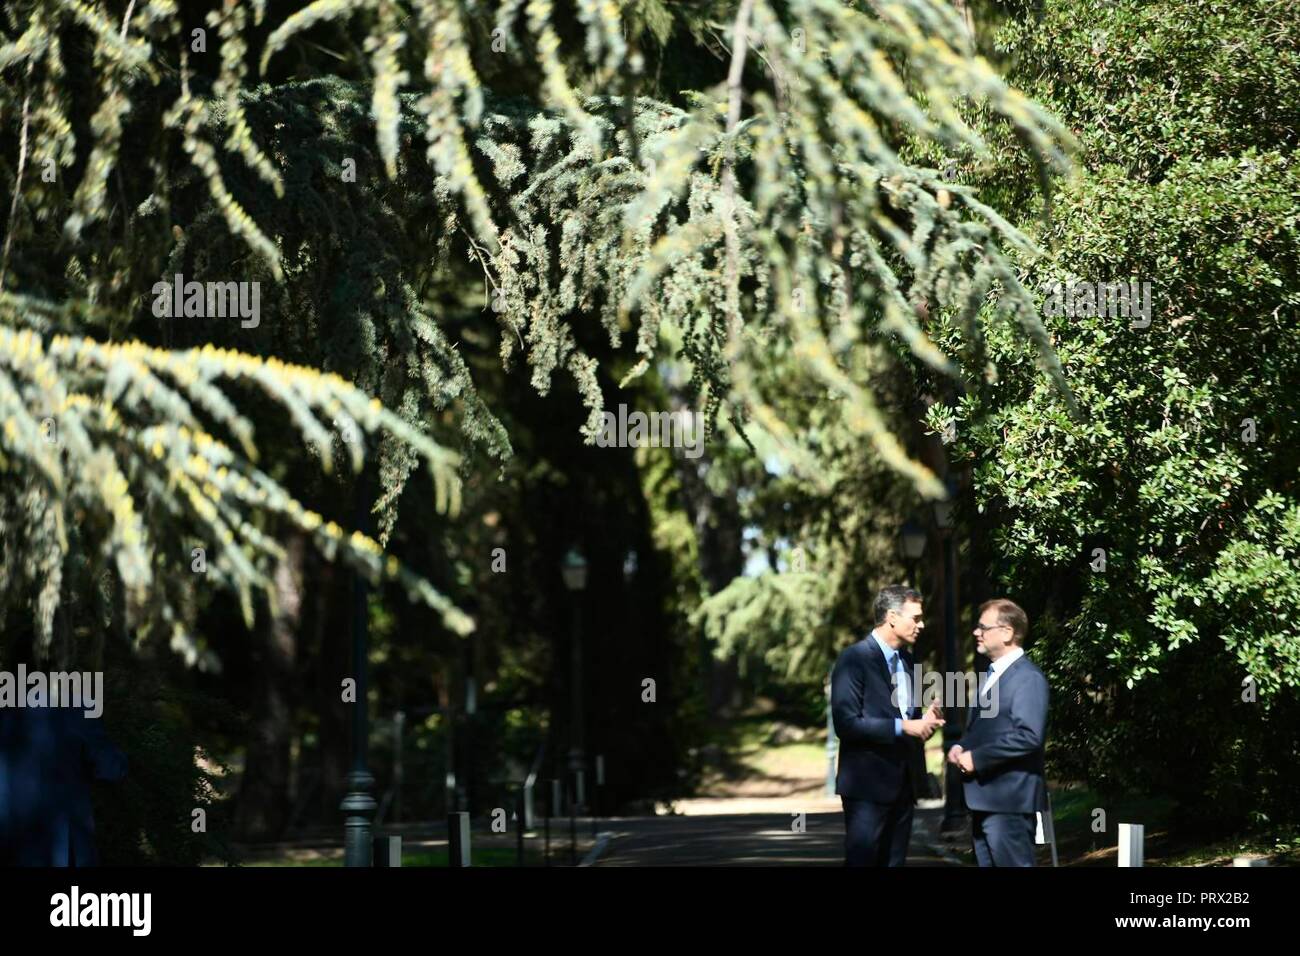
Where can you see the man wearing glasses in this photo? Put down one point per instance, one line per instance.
(1001, 753)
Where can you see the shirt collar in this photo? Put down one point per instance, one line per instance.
(885, 649)
(1007, 659)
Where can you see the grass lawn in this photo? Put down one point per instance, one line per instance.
(1165, 845)
(756, 754)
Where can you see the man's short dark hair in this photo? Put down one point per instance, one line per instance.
(893, 598)
(1012, 615)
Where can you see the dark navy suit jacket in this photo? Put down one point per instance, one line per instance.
(1007, 749)
(874, 764)
(48, 756)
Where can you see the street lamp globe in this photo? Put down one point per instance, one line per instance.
(911, 540)
(574, 570)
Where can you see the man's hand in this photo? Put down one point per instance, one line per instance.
(961, 759)
(923, 728)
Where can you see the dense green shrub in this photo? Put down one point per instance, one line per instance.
(1182, 464)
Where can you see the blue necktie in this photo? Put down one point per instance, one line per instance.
(904, 691)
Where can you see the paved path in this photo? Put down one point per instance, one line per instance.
(753, 839)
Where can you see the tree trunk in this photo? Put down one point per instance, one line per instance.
(332, 638)
(263, 807)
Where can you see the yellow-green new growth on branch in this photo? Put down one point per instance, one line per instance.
(768, 203)
(123, 430)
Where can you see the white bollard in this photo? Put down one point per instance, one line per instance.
(1131, 838)
(458, 853)
(388, 851)
(528, 804)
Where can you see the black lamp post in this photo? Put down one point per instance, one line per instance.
(954, 804)
(470, 737)
(574, 570)
(358, 805)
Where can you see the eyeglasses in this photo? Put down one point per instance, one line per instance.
(989, 627)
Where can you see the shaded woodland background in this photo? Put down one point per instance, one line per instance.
(740, 574)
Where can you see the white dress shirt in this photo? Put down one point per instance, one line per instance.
(1001, 664)
(898, 676)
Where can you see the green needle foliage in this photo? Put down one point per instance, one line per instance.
(523, 144)
(127, 416)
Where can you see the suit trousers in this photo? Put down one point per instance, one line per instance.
(877, 834)
(1003, 839)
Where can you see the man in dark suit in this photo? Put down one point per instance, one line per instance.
(1001, 753)
(878, 719)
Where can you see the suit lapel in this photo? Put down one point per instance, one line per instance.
(914, 711)
(1008, 674)
(873, 648)
(1000, 686)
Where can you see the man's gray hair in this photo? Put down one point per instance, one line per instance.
(893, 598)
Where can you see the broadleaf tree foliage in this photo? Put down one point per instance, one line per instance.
(1183, 466)
(359, 159)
